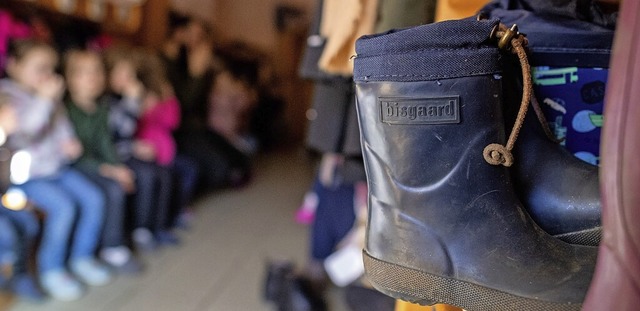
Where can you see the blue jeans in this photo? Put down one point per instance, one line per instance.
(334, 218)
(26, 228)
(185, 171)
(115, 200)
(67, 198)
(152, 200)
(8, 243)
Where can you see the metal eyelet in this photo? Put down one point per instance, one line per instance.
(505, 40)
(494, 32)
(482, 16)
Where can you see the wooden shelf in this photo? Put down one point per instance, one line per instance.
(144, 24)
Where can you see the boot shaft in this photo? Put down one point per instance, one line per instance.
(443, 50)
(428, 110)
(445, 225)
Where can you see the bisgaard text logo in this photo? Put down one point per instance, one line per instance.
(439, 110)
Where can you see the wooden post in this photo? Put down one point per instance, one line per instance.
(405, 306)
(154, 23)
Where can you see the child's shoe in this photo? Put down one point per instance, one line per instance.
(6, 272)
(143, 240)
(307, 211)
(25, 287)
(185, 219)
(165, 237)
(90, 271)
(60, 285)
(121, 260)
(305, 217)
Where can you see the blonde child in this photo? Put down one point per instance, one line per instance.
(65, 195)
(152, 200)
(160, 117)
(88, 110)
(18, 227)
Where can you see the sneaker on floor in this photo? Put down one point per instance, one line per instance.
(26, 287)
(4, 280)
(121, 260)
(133, 266)
(143, 240)
(165, 237)
(90, 271)
(60, 285)
(185, 219)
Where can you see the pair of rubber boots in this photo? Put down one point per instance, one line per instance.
(445, 226)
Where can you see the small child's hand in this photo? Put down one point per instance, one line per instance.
(8, 119)
(150, 100)
(72, 149)
(200, 59)
(52, 88)
(126, 178)
(144, 151)
(121, 174)
(133, 89)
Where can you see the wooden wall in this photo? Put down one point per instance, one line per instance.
(144, 24)
(254, 22)
(204, 9)
(249, 21)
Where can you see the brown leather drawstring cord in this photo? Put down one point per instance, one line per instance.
(510, 38)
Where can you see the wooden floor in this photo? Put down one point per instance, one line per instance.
(220, 265)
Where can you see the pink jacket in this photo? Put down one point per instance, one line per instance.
(156, 126)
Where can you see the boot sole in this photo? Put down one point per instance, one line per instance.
(589, 237)
(423, 288)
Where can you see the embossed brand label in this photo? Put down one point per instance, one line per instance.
(430, 110)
